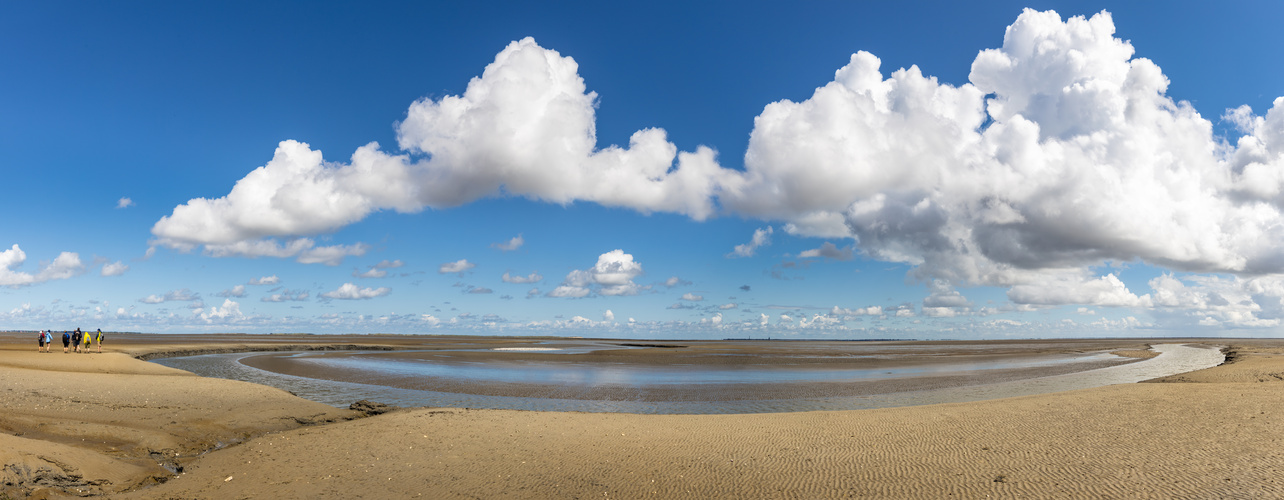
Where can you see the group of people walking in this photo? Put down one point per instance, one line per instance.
(71, 340)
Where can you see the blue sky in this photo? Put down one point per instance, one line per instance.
(1113, 174)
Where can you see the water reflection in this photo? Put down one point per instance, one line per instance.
(1173, 359)
(622, 374)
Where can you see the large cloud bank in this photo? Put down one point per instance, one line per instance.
(524, 128)
(1062, 153)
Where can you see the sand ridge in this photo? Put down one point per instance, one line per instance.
(99, 423)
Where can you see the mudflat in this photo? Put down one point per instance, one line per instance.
(111, 424)
(745, 370)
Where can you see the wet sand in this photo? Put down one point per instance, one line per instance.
(108, 423)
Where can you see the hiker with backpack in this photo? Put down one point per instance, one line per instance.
(66, 341)
(98, 339)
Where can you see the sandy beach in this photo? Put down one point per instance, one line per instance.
(111, 424)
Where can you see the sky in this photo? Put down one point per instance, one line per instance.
(851, 170)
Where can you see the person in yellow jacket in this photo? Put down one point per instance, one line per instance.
(98, 339)
(89, 337)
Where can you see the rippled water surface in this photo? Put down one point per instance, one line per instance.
(1173, 359)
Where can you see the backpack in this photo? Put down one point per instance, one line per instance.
(66, 337)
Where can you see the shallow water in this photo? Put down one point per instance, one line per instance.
(624, 374)
(1172, 360)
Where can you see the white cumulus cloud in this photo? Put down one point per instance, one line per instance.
(612, 275)
(525, 127)
(1062, 151)
(66, 265)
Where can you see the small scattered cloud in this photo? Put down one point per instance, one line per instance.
(379, 270)
(829, 251)
(183, 295)
(287, 296)
(860, 311)
(944, 295)
(350, 291)
(266, 280)
(370, 273)
(236, 291)
(676, 281)
(612, 275)
(457, 267)
(66, 265)
(761, 238)
(692, 297)
(124, 203)
(510, 245)
(115, 268)
(728, 306)
(521, 280)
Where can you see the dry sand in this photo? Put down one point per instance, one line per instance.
(107, 423)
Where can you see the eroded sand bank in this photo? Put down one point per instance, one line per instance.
(89, 423)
